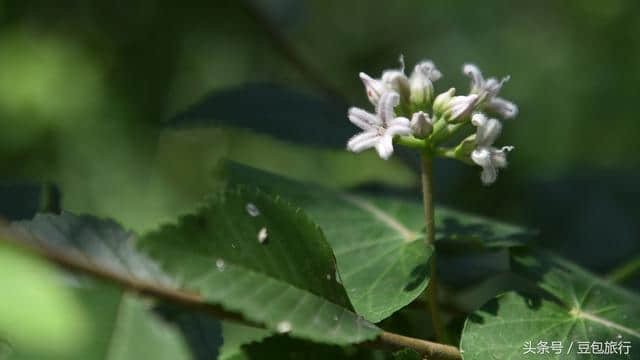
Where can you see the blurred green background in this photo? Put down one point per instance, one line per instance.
(96, 96)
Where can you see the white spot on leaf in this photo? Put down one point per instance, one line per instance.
(220, 264)
(252, 210)
(283, 327)
(262, 235)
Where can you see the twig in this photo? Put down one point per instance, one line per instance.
(283, 46)
(194, 301)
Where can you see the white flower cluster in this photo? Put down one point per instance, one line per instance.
(413, 98)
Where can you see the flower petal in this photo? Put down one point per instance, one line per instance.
(397, 127)
(363, 119)
(499, 158)
(487, 134)
(481, 156)
(363, 141)
(503, 107)
(488, 175)
(479, 119)
(385, 146)
(388, 101)
(472, 71)
(396, 80)
(428, 69)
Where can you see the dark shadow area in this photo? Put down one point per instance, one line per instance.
(203, 333)
(287, 348)
(278, 111)
(23, 201)
(418, 274)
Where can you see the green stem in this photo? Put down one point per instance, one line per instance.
(411, 142)
(427, 198)
(449, 153)
(625, 271)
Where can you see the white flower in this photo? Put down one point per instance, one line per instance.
(487, 90)
(380, 128)
(454, 108)
(485, 154)
(418, 86)
(391, 80)
(421, 125)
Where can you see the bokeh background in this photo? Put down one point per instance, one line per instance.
(122, 109)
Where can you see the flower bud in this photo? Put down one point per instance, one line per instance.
(454, 109)
(441, 102)
(421, 83)
(465, 148)
(460, 107)
(397, 81)
(374, 87)
(421, 125)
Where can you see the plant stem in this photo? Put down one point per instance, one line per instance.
(625, 271)
(427, 199)
(386, 340)
(410, 141)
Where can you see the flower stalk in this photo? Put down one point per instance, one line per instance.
(426, 161)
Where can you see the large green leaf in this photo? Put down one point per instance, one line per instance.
(576, 308)
(235, 336)
(102, 243)
(178, 184)
(117, 325)
(378, 242)
(263, 258)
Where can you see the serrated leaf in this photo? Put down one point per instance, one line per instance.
(578, 307)
(235, 336)
(117, 324)
(378, 242)
(263, 258)
(101, 242)
(178, 185)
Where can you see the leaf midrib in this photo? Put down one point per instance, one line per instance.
(382, 216)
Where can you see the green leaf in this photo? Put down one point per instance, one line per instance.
(116, 325)
(378, 242)
(286, 281)
(103, 243)
(577, 306)
(236, 335)
(407, 354)
(178, 184)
